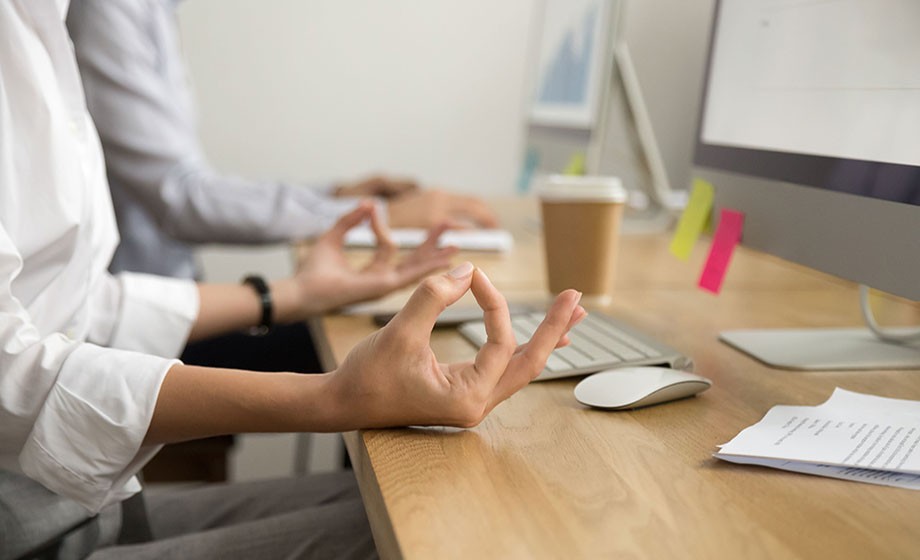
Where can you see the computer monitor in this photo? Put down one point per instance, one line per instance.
(810, 125)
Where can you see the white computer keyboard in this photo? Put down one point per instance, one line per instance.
(407, 238)
(598, 342)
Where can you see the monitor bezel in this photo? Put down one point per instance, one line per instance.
(797, 168)
(794, 212)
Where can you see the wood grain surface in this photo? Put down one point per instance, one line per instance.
(545, 477)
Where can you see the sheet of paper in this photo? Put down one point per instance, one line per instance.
(884, 478)
(470, 240)
(850, 436)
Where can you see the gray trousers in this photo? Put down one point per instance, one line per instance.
(315, 517)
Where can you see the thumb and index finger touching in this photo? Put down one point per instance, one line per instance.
(361, 212)
(496, 361)
(433, 296)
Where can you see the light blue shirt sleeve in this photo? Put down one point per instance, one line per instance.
(138, 95)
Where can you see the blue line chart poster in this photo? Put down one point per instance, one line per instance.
(572, 51)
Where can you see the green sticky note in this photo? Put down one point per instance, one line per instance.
(694, 219)
(576, 166)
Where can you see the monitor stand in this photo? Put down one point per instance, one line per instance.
(825, 349)
(641, 221)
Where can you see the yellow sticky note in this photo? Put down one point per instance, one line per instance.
(576, 165)
(694, 219)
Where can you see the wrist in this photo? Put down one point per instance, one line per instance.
(321, 396)
(290, 301)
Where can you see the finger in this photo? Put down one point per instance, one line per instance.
(431, 298)
(360, 213)
(427, 251)
(418, 266)
(494, 355)
(386, 248)
(434, 237)
(527, 364)
(579, 314)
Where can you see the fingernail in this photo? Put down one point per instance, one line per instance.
(462, 271)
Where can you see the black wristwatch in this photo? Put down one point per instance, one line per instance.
(265, 296)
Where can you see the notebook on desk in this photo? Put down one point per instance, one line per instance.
(497, 240)
(598, 342)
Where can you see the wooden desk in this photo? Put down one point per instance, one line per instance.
(544, 477)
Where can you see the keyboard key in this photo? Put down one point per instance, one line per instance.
(574, 356)
(598, 343)
(611, 330)
(611, 344)
(555, 363)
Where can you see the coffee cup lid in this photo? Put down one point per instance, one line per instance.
(581, 188)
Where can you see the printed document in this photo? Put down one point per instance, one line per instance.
(851, 436)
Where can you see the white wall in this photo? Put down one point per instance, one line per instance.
(324, 89)
(320, 89)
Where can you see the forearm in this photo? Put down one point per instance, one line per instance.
(226, 308)
(197, 402)
(202, 206)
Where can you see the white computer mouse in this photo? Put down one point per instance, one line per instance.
(633, 387)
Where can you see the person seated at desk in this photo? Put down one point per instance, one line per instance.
(88, 391)
(168, 200)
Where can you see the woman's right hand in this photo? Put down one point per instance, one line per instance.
(392, 378)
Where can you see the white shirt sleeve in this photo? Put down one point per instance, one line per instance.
(156, 314)
(75, 413)
(85, 442)
(143, 313)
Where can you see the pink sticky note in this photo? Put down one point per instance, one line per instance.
(727, 235)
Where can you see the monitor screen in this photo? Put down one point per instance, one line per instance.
(802, 94)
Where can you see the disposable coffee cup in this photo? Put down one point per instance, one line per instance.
(581, 229)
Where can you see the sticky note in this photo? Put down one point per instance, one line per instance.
(693, 220)
(727, 236)
(576, 166)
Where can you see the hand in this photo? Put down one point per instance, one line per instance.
(426, 208)
(392, 378)
(377, 185)
(325, 280)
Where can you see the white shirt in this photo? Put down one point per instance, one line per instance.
(73, 414)
(166, 195)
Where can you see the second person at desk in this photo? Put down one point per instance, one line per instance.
(167, 198)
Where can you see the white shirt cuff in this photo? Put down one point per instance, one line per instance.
(86, 442)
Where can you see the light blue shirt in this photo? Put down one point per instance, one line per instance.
(167, 198)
